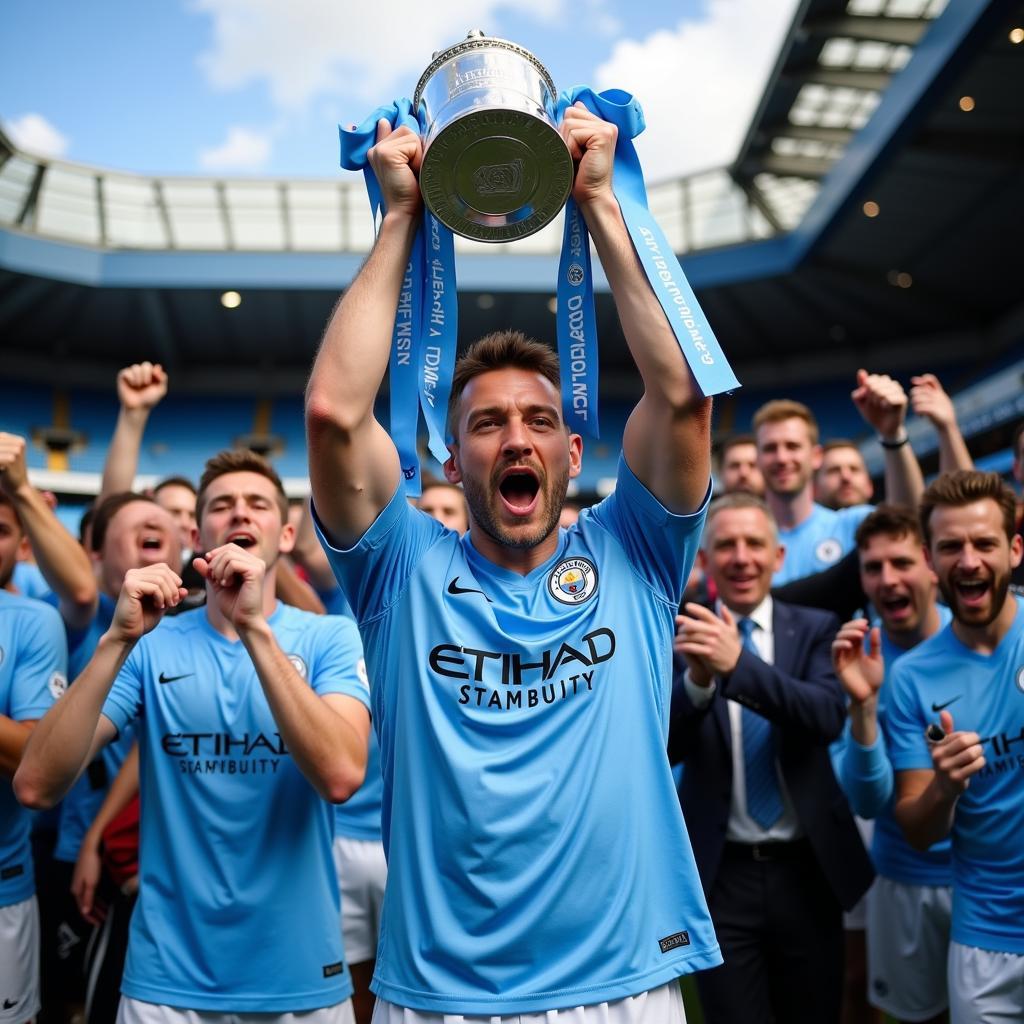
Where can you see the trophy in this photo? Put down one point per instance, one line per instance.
(495, 167)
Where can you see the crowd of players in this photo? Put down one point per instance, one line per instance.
(212, 806)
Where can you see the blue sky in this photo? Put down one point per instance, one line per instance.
(257, 86)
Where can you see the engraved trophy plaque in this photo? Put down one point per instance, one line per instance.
(495, 167)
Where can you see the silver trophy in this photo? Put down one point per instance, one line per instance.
(495, 167)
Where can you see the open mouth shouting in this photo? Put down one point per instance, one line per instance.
(971, 593)
(895, 608)
(519, 489)
(243, 538)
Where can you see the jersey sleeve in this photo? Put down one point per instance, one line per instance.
(124, 702)
(40, 666)
(851, 518)
(864, 773)
(660, 545)
(374, 571)
(338, 665)
(906, 723)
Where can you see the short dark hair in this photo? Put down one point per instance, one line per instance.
(734, 441)
(1017, 434)
(104, 512)
(839, 442)
(239, 460)
(175, 481)
(8, 501)
(964, 487)
(85, 525)
(892, 520)
(496, 351)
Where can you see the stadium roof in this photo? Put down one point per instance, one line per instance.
(866, 218)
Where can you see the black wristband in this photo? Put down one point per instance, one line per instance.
(893, 445)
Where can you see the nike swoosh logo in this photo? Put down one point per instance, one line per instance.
(171, 679)
(10, 1003)
(940, 707)
(454, 588)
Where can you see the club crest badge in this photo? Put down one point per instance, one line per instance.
(1020, 679)
(298, 664)
(828, 551)
(573, 581)
(57, 685)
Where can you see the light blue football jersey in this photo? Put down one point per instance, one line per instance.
(33, 672)
(819, 541)
(984, 694)
(359, 816)
(893, 856)
(238, 903)
(537, 856)
(29, 580)
(83, 801)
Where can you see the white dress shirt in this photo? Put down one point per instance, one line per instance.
(742, 828)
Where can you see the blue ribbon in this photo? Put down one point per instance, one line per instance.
(425, 334)
(577, 327)
(440, 333)
(704, 356)
(403, 369)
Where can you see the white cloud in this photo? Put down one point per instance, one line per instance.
(242, 150)
(305, 48)
(699, 83)
(34, 133)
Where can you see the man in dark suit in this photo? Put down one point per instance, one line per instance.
(755, 705)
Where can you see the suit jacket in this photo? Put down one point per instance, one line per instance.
(803, 700)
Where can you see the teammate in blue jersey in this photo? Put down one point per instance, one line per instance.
(33, 672)
(59, 557)
(537, 857)
(71, 587)
(965, 686)
(129, 531)
(908, 907)
(250, 715)
(788, 454)
(362, 876)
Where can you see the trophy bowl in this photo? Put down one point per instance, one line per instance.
(495, 167)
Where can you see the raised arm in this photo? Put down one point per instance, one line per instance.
(862, 766)
(69, 735)
(61, 559)
(326, 735)
(883, 404)
(926, 800)
(928, 398)
(140, 388)
(667, 441)
(353, 464)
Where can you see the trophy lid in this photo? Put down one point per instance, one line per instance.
(477, 39)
